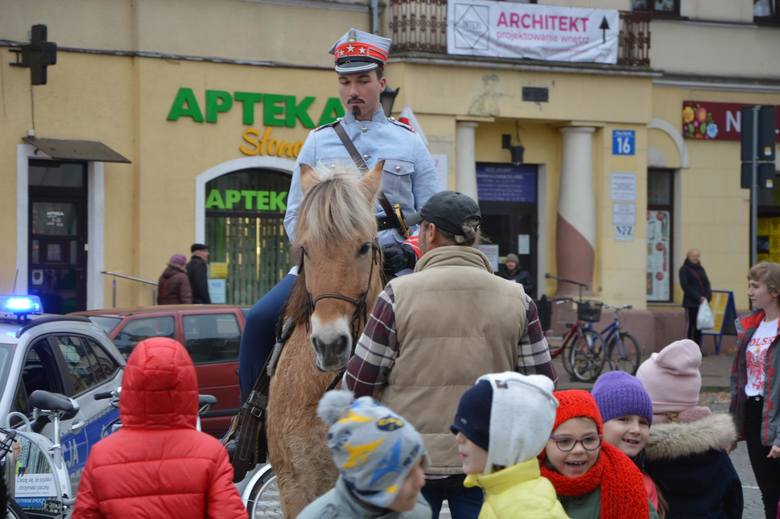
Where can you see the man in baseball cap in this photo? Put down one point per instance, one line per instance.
(452, 307)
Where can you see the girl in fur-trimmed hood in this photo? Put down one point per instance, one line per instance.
(687, 451)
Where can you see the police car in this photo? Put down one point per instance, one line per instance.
(60, 354)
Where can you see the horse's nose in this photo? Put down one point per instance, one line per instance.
(334, 345)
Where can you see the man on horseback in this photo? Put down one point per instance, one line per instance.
(432, 333)
(408, 180)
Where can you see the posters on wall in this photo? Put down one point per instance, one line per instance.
(622, 192)
(539, 32)
(658, 260)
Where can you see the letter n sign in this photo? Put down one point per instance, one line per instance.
(623, 142)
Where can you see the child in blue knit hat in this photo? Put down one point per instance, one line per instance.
(627, 412)
(380, 458)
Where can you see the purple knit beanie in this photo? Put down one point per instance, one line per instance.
(619, 394)
(178, 259)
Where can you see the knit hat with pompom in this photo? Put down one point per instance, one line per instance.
(373, 448)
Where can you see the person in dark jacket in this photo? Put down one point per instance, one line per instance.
(198, 272)
(511, 270)
(696, 289)
(174, 284)
(687, 451)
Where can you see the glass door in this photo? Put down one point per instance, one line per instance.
(57, 225)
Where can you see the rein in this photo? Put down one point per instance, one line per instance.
(361, 308)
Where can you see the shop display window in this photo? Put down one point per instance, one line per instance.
(766, 11)
(245, 233)
(660, 215)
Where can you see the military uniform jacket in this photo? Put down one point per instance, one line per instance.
(409, 176)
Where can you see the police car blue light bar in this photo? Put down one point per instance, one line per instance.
(20, 305)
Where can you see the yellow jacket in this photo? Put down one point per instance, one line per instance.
(518, 491)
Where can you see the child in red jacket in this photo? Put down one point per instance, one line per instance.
(158, 464)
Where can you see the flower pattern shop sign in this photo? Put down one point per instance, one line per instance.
(275, 110)
(708, 121)
(540, 32)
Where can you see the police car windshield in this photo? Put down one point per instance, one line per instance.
(6, 356)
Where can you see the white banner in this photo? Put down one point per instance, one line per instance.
(539, 32)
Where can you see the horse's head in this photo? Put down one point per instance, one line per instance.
(339, 274)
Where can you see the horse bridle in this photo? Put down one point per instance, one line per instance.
(360, 303)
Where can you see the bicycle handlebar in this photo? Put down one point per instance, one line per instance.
(104, 395)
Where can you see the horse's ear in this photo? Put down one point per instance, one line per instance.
(372, 180)
(308, 178)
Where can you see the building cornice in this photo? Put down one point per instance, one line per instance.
(754, 85)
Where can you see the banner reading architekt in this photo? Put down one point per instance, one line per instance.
(510, 30)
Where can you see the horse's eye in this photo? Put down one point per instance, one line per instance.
(364, 249)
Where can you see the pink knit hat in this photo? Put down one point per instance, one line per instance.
(672, 378)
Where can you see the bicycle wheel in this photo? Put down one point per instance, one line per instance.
(623, 353)
(587, 356)
(565, 356)
(264, 500)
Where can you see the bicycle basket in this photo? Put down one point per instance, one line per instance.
(589, 311)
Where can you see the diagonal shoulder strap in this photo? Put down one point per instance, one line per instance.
(357, 158)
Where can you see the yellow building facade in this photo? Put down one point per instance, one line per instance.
(210, 102)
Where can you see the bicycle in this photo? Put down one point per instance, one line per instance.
(584, 358)
(623, 351)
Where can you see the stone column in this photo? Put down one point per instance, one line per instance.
(465, 158)
(576, 222)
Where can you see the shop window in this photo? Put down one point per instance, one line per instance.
(667, 7)
(245, 234)
(766, 11)
(660, 215)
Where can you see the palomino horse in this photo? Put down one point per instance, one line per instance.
(338, 281)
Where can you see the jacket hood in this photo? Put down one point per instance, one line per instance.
(172, 270)
(454, 255)
(675, 440)
(159, 387)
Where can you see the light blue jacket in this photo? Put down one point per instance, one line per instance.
(409, 176)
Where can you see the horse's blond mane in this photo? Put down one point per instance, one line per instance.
(335, 211)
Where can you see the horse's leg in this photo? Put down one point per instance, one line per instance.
(296, 436)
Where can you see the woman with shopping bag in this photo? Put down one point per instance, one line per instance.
(696, 290)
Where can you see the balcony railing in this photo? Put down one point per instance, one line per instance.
(421, 26)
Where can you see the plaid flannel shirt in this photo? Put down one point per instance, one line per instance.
(378, 346)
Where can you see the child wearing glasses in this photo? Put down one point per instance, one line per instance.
(594, 480)
(498, 448)
(687, 451)
(627, 412)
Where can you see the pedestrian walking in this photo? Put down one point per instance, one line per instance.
(380, 459)
(198, 272)
(158, 464)
(593, 479)
(502, 424)
(687, 450)
(696, 289)
(512, 271)
(409, 178)
(755, 382)
(433, 332)
(173, 287)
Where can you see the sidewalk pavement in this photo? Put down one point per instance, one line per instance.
(715, 374)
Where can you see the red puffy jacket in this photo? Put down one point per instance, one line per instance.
(158, 465)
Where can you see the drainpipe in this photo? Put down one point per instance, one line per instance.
(374, 7)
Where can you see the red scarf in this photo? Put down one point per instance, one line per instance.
(622, 489)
